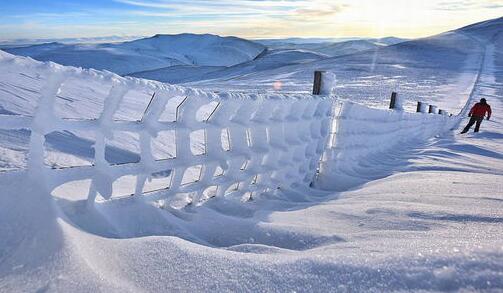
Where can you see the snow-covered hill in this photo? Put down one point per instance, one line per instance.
(331, 47)
(269, 60)
(484, 30)
(204, 50)
(147, 54)
(280, 53)
(189, 57)
(349, 47)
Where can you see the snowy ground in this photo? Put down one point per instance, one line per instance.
(438, 70)
(425, 217)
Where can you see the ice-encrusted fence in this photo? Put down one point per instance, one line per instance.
(212, 144)
(249, 144)
(361, 133)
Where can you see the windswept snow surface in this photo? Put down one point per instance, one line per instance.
(424, 216)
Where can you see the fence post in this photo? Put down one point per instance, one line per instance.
(392, 103)
(441, 112)
(430, 109)
(317, 82)
(419, 108)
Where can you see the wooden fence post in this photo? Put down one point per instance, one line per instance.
(419, 107)
(430, 109)
(317, 82)
(392, 103)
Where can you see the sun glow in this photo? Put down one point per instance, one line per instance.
(243, 18)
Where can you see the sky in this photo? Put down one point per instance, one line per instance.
(38, 19)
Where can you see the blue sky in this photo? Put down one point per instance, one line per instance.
(244, 18)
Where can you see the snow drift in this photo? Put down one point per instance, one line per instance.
(363, 134)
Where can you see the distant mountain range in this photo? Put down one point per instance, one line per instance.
(331, 48)
(156, 52)
(209, 60)
(87, 40)
(189, 57)
(299, 41)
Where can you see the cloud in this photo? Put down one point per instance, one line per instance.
(321, 10)
(281, 9)
(221, 6)
(458, 5)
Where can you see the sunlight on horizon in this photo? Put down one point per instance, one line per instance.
(242, 18)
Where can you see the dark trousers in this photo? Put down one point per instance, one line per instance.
(473, 120)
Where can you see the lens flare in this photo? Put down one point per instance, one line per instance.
(277, 85)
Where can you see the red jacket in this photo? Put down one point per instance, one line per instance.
(480, 110)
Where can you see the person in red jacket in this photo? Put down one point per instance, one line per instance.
(477, 114)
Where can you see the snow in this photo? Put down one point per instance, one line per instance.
(188, 58)
(330, 47)
(362, 133)
(439, 70)
(205, 50)
(268, 60)
(147, 54)
(422, 213)
(263, 156)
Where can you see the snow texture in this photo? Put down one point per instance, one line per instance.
(362, 132)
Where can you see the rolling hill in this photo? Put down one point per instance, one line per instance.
(147, 54)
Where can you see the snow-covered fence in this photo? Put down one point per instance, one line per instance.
(202, 144)
(359, 133)
(222, 144)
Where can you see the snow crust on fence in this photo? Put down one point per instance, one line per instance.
(212, 144)
(360, 133)
(248, 144)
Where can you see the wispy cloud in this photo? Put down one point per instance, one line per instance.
(321, 10)
(457, 5)
(222, 8)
